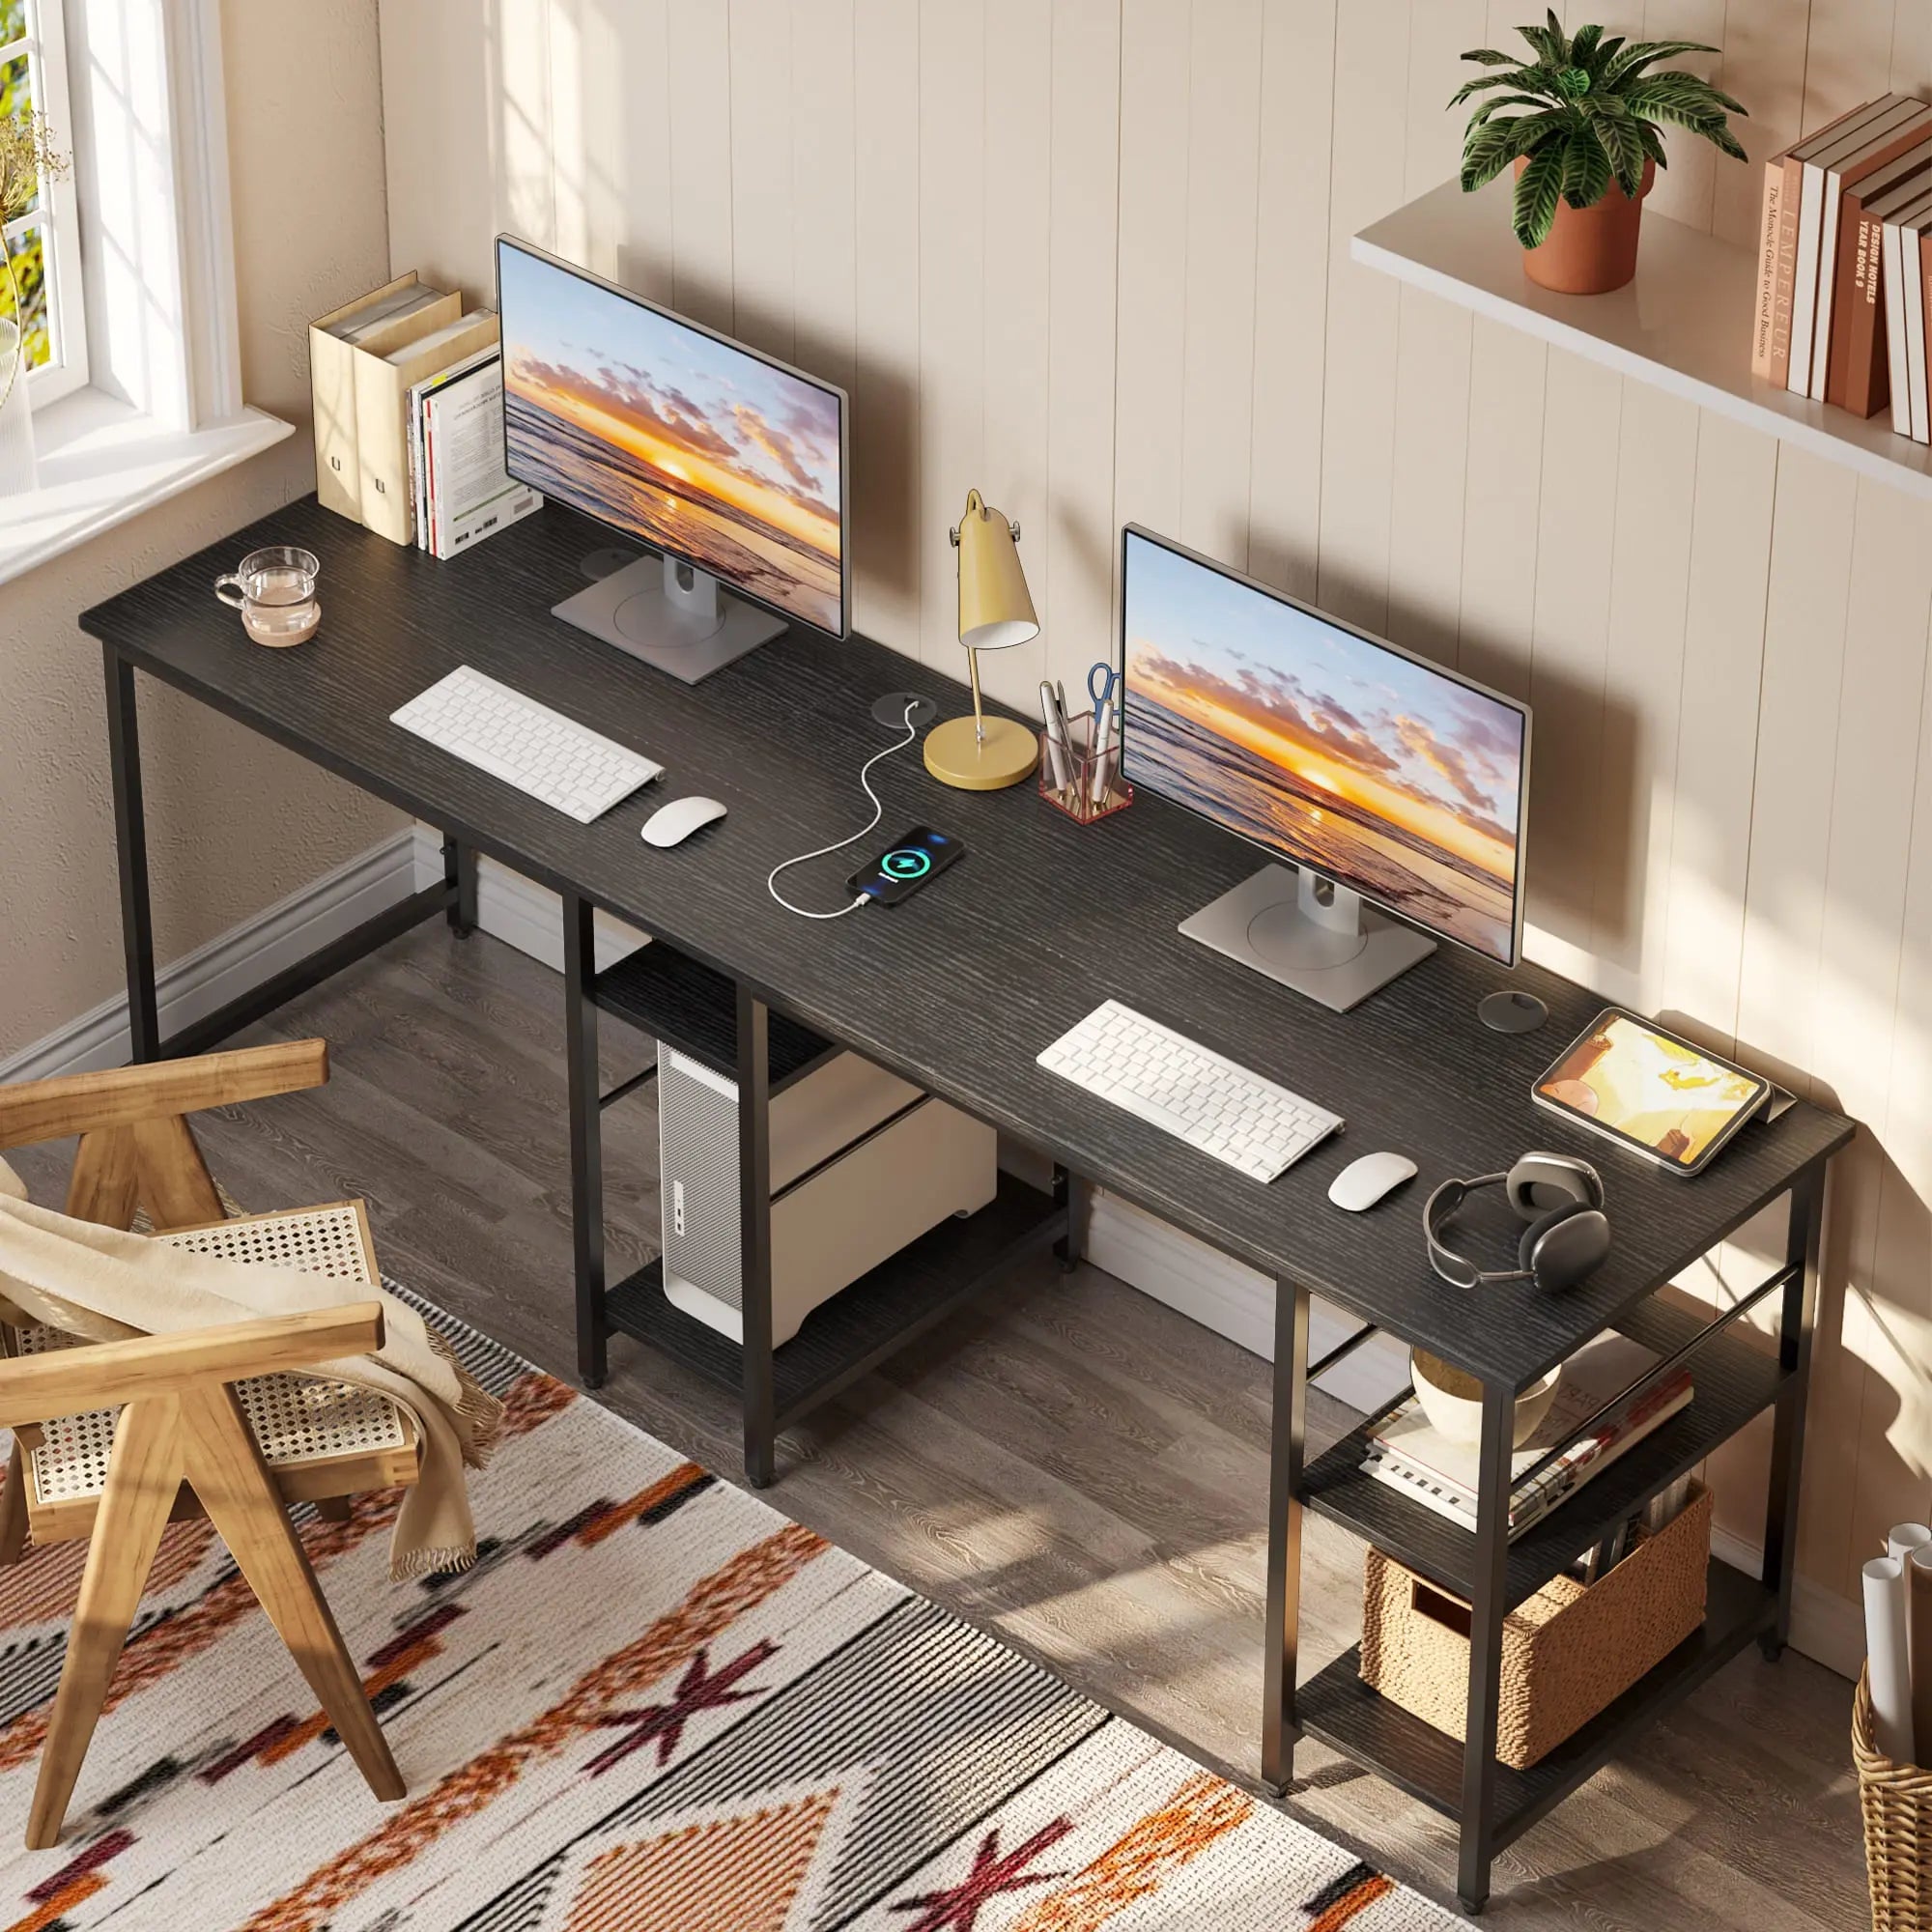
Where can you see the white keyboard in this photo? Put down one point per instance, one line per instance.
(525, 743)
(1199, 1097)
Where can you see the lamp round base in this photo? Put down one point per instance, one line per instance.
(955, 754)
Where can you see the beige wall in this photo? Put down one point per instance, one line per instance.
(1092, 257)
(233, 824)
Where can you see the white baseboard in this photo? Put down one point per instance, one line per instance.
(240, 959)
(1824, 1624)
(522, 913)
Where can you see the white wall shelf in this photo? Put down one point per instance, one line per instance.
(1684, 325)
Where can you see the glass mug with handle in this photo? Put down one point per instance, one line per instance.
(274, 591)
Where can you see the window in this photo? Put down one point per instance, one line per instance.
(44, 244)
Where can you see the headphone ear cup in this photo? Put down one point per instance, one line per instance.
(1562, 1247)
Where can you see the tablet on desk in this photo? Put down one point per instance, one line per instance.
(1651, 1091)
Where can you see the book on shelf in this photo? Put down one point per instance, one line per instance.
(1859, 375)
(1408, 1453)
(1856, 154)
(383, 385)
(371, 326)
(1903, 290)
(461, 491)
(1778, 240)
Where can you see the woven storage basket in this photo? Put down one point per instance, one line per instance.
(1568, 1651)
(1896, 1799)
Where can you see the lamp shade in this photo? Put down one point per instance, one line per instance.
(995, 607)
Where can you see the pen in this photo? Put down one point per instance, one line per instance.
(1059, 751)
(1103, 778)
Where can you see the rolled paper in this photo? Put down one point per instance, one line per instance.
(1887, 1657)
(1903, 1538)
(1918, 1579)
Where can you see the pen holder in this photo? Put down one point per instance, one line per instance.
(1094, 787)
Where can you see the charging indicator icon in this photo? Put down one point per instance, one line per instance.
(905, 864)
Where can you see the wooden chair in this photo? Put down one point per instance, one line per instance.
(211, 1421)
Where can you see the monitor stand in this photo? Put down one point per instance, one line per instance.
(670, 615)
(1309, 933)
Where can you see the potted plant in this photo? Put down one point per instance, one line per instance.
(29, 161)
(1583, 139)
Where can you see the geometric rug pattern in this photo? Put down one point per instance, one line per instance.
(654, 1705)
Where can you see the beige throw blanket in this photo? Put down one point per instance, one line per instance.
(105, 1286)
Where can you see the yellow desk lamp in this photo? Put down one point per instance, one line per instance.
(982, 754)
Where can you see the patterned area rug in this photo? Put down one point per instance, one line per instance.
(654, 1706)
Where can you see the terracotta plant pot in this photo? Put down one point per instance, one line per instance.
(1590, 251)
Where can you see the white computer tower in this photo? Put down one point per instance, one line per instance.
(861, 1164)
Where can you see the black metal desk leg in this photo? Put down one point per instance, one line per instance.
(130, 845)
(1289, 1445)
(587, 1138)
(754, 1236)
(1485, 1647)
(1070, 1192)
(459, 873)
(1787, 1441)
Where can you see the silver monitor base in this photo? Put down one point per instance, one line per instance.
(1309, 934)
(670, 615)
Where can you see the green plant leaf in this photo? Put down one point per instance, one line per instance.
(1486, 156)
(1582, 45)
(1605, 53)
(1616, 129)
(1502, 101)
(1586, 168)
(1690, 92)
(1720, 136)
(1709, 123)
(1491, 57)
(1642, 54)
(1521, 77)
(1653, 143)
(1548, 45)
(1538, 190)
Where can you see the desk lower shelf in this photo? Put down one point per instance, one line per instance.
(855, 1331)
(1735, 1378)
(1341, 1711)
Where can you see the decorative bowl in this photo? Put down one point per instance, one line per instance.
(1453, 1401)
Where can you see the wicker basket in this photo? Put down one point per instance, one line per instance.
(1896, 1799)
(1568, 1651)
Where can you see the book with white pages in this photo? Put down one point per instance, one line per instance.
(472, 495)
(419, 477)
(1408, 1453)
(1806, 296)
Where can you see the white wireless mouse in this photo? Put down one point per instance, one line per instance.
(673, 823)
(1363, 1183)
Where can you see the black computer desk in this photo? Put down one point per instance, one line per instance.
(957, 990)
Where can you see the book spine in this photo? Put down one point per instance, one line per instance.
(1914, 291)
(1769, 223)
(332, 376)
(1825, 316)
(1804, 280)
(1893, 278)
(1783, 293)
(1857, 380)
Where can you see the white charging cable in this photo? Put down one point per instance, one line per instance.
(878, 812)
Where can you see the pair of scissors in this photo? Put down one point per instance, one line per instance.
(1102, 682)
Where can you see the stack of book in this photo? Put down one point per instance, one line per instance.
(1840, 313)
(375, 365)
(1408, 1453)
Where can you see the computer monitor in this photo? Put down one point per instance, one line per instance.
(728, 462)
(1380, 776)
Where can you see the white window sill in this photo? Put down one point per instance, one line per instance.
(102, 460)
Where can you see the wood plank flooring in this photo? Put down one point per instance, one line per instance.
(1070, 1464)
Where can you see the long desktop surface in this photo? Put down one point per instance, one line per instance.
(959, 988)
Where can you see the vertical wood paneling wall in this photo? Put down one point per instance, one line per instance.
(1092, 256)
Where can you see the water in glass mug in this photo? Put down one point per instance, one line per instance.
(274, 591)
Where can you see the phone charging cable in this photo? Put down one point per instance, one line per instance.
(878, 812)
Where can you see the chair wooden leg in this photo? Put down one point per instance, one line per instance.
(144, 1472)
(237, 1492)
(14, 1505)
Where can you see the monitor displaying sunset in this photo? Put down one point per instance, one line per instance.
(1386, 774)
(691, 445)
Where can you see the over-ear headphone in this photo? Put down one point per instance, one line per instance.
(1568, 1235)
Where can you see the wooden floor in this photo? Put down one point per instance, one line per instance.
(1070, 1464)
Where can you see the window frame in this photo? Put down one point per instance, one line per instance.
(57, 211)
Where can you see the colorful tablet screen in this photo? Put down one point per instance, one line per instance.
(1643, 1086)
